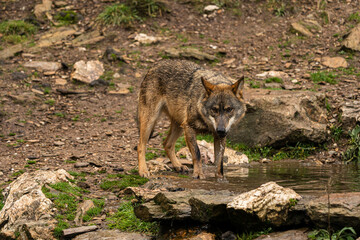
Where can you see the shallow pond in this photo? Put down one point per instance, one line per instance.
(304, 177)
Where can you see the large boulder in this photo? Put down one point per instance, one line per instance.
(268, 204)
(27, 211)
(276, 118)
(343, 208)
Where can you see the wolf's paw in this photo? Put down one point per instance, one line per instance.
(144, 173)
(198, 175)
(182, 169)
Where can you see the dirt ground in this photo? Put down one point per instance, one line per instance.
(59, 131)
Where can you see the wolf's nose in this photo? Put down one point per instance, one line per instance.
(221, 132)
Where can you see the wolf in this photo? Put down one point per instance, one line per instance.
(197, 101)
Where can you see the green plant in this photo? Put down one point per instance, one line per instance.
(327, 77)
(117, 15)
(125, 220)
(150, 155)
(280, 11)
(354, 17)
(346, 233)
(274, 80)
(336, 132)
(254, 84)
(31, 161)
(59, 114)
(1, 200)
(17, 27)
(18, 173)
(75, 118)
(50, 102)
(352, 153)
(67, 17)
(147, 8)
(253, 235)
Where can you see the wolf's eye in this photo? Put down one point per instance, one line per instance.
(214, 110)
(228, 110)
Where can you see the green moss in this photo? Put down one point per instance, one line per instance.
(125, 220)
(18, 173)
(1, 200)
(124, 182)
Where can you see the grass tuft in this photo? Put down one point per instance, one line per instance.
(125, 220)
(327, 77)
(117, 15)
(352, 153)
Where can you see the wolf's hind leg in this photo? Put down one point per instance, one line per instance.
(148, 114)
(169, 145)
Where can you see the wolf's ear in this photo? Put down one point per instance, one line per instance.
(208, 86)
(238, 87)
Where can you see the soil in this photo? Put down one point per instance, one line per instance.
(100, 128)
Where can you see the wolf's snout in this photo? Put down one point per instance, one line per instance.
(221, 131)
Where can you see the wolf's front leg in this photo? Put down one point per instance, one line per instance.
(190, 137)
(219, 149)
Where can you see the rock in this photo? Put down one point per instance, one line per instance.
(112, 235)
(88, 38)
(273, 85)
(59, 143)
(344, 210)
(43, 66)
(211, 8)
(203, 236)
(271, 74)
(298, 234)
(231, 157)
(281, 117)
(53, 37)
(26, 97)
(228, 235)
(298, 27)
(112, 55)
(189, 53)
(352, 41)
(26, 209)
(18, 76)
(121, 91)
(145, 39)
(10, 51)
(81, 164)
(60, 82)
(99, 82)
(156, 166)
(141, 193)
(334, 62)
(210, 206)
(87, 72)
(82, 209)
(40, 9)
(270, 203)
(350, 114)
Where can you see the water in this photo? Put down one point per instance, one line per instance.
(305, 178)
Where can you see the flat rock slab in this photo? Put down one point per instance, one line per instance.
(344, 210)
(350, 114)
(279, 117)
(111, 235)
(87, 71)
(43, 66)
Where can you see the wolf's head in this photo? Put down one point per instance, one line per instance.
(223, 105)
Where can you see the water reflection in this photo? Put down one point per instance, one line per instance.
(304, 178)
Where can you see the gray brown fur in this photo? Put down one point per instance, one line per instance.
(197, 101)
